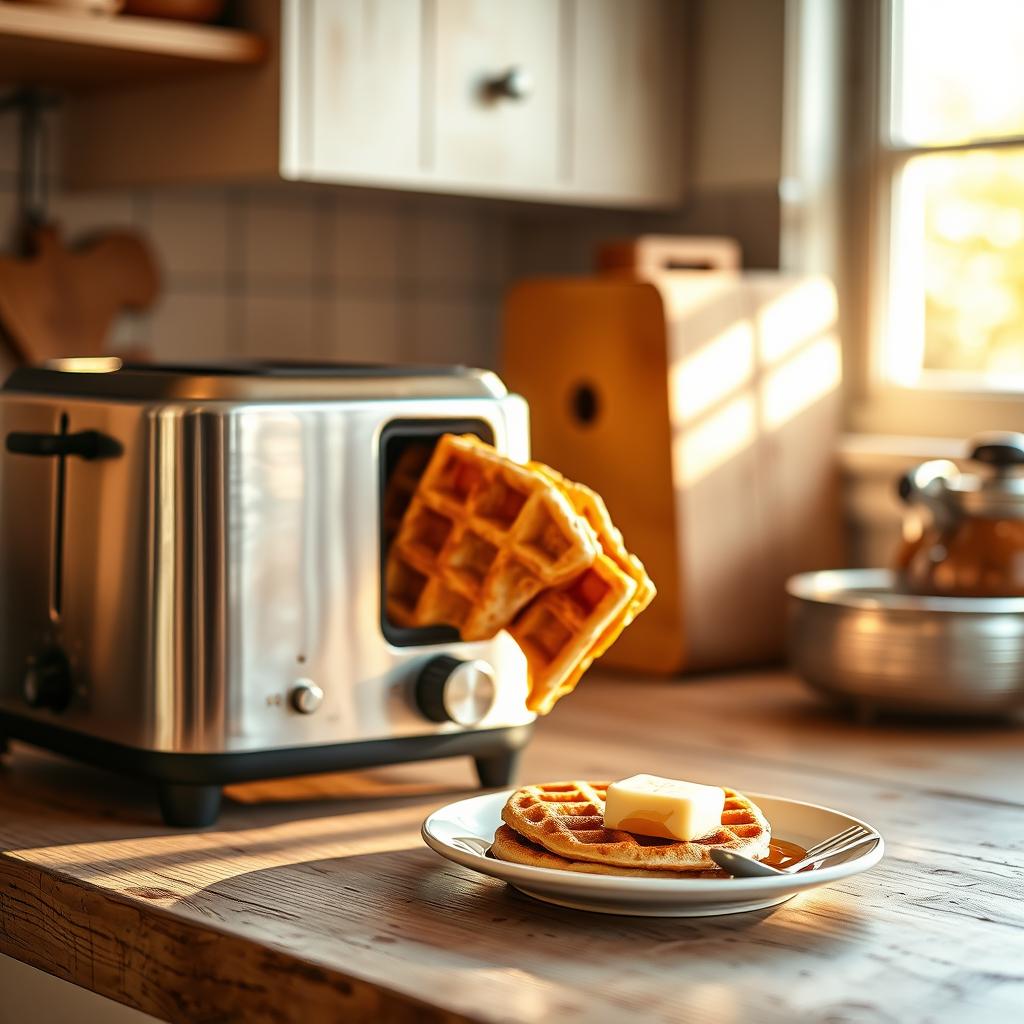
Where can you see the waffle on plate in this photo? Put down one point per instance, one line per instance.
(509, 845)
(567, 819)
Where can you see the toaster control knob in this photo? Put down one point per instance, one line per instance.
(450, 690)
(47, 680)
(306, 696)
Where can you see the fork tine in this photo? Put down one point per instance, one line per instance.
(835, 851)
(831, 839)
(854, 831)
(828, 849)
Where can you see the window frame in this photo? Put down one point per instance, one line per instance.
(930, 406)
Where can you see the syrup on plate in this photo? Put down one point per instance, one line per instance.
(782, 853)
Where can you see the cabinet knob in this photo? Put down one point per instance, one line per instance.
(515, 84)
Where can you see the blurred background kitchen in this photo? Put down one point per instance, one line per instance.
(366, 179)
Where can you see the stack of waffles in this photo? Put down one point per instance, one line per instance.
(561, 825)
(487, 544)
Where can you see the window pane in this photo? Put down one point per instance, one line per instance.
(957, 294)
(957, 70)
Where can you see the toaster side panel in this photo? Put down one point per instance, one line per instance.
(27, 530)
(76, 572)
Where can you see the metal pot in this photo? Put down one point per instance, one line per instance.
(855, 638)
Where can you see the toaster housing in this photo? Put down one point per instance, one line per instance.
(191, 573)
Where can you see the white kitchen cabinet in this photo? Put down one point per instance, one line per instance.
(573, 101)
(495, 113)
(357, 75)
(627, 75)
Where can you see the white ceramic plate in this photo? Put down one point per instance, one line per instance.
(463, 832)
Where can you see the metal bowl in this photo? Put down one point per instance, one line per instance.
(856, 639)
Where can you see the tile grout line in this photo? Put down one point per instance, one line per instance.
(235, 283)
(324, 340)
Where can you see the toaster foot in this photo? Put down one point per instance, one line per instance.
(189, 806)
(497, 770)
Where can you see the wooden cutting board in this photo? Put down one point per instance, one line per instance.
(703, 406)
(61, 301)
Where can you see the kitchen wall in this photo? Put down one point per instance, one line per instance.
(299, 274)
(340, 274)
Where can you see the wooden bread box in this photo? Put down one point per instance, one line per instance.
(703, 405)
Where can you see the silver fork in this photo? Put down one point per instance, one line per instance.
(745, 867)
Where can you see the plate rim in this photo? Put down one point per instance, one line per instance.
(527, 873)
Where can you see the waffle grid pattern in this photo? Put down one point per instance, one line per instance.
(557, 631)
(480, 539)
(560, 642)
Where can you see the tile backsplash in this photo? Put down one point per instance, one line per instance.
(335, 274)
(247, 273)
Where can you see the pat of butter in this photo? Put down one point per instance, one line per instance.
(652, 806)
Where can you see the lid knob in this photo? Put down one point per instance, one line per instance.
(997, 448)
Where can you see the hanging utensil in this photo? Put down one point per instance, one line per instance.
(58, 300)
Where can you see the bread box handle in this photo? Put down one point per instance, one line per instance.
(658, 254)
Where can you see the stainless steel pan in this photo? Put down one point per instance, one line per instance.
(856, 639)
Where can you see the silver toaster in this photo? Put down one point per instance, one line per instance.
(191, 573)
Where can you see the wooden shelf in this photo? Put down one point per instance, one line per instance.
(43, 46)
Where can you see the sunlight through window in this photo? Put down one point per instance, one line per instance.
(955, 310)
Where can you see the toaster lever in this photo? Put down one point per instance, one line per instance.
(47, 680)
(86, 444)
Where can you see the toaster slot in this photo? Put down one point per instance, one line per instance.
(405, 449)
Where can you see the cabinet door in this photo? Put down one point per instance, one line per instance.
(353, 92)
(627, 78)
(482, 138)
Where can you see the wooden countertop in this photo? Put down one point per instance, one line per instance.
(315, 899)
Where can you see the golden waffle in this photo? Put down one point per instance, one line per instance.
(561, 628)
(567, 819)
(509, 845)
(401, 486)
(589, 504)
(481, 538)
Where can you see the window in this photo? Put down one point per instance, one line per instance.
(947, 266)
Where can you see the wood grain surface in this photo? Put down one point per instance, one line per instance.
(315, 900)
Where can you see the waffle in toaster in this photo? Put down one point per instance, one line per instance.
(559, 631)
(554, 682)
(510, 846)
(567, 819)
(590, 505)
(401, 486)
(480, 539)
